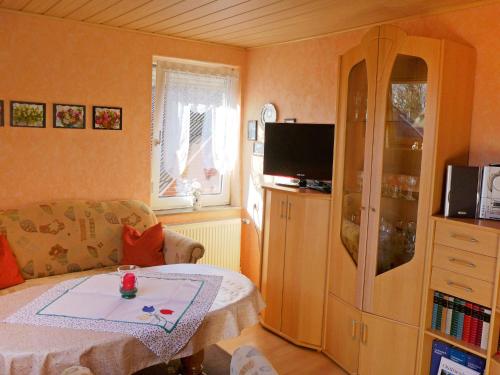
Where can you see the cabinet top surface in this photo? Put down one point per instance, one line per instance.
(490, 225)
(303, 192)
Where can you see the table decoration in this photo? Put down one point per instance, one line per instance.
(165, 313)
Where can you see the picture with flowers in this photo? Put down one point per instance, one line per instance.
(107, 118)
(1, 113)
(27, 114)
(69, 116)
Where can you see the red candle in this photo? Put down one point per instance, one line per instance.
(128, 281)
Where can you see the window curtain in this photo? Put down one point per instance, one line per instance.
(184, 88)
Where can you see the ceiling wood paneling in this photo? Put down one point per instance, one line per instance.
(243, 23)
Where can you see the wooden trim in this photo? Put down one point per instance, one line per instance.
(199, 216)
(288, 338)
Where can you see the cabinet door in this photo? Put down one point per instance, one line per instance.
(305, 268)
(343, 324)
(387, 347)
(401, 175)
(274, 256)
(353, 153)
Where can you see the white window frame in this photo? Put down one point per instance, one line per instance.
(166, 203)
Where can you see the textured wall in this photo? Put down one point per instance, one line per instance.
(50, 60)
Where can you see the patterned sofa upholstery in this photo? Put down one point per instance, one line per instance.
(61, 239)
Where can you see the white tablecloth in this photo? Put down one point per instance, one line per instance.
(26, 349)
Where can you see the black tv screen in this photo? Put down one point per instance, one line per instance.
(303, 151)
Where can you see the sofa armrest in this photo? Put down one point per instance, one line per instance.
(180, 249)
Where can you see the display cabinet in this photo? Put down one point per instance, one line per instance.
(404, 109)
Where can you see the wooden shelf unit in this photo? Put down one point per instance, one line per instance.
(480, 239)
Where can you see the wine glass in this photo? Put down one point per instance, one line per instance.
(411, 183)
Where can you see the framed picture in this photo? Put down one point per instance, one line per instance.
(2, 111)
(107, 118)
(27, 114)
(258, 149)
(69, 116)
(252, 130)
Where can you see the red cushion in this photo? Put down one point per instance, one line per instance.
(9, 270)
(144, 249)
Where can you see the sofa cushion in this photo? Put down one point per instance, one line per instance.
(144, 250)
(9, 270)
(68, 236)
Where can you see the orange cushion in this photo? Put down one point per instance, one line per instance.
(9, 270)
(144, 250)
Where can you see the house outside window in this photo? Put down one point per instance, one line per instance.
(195, 121)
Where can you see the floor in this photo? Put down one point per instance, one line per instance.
(287, 359)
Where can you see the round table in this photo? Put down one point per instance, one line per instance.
(39, 350)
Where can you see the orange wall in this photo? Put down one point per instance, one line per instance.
(48, 60)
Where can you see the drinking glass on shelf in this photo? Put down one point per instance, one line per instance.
(402, 184)
(411, 183)
(411, 236)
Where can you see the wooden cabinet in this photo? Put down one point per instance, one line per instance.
(343, 325)
(463, 262)
(387, 347)
(404, 109)
(296, 227)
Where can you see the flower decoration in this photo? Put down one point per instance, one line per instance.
(69, 116)
(148, 309)
(28, 114)
(107, 118)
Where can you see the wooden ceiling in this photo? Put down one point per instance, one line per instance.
(243, 23)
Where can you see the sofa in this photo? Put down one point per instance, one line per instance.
(69, 239)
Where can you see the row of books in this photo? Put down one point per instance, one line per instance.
(461, 319)
(447, 359)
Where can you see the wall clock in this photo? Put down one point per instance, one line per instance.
(268, 113)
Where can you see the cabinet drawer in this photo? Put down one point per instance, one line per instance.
(462, 286)
(464, 262)
(471, 239)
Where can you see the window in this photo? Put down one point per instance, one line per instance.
(195, 121)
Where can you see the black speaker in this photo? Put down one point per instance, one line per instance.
(462, 191)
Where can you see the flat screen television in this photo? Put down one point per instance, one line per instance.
(303, 151)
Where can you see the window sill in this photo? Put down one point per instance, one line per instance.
(188, 215)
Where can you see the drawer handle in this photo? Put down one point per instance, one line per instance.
(463, 237)
(462, 262)
(460, 286)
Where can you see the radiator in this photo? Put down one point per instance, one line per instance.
(222, 241)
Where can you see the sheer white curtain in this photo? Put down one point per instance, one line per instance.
(213, 91)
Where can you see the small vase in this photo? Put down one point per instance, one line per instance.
(196, 203)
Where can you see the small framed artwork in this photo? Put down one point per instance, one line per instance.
(252, 130)
(258, 149)
(27, 114)
(2, 111)
(69, 116)
(107, 118)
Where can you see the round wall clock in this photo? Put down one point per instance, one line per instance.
(268, 113)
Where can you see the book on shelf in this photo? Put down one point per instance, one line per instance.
(449, 367)
(456, 359)
(461, 319)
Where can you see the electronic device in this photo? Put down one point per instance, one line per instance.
(303, 151)
(490, 193)
(462, 191)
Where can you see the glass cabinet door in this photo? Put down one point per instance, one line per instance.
(356, 119)
(402, 157)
